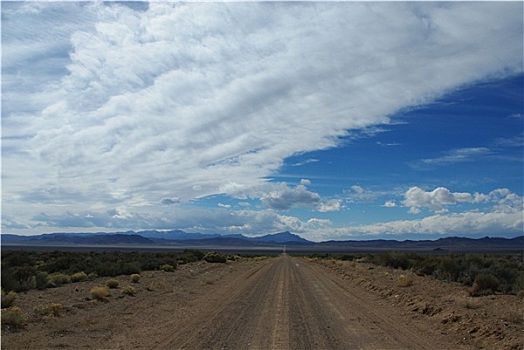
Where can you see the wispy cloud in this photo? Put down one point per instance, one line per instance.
(139, 107)
(451, 157)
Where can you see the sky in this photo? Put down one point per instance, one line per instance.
(331, 120)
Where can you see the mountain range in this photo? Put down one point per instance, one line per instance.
(182, 239)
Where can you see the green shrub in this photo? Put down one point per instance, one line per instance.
(135, 278)
(112, 283)
(79, 277)
(51, 309)
(57, 279)
(484, 283)
(41, 280)
(99, 293)
(214, 257)
(14, 317)
(167, 268)
(8, 299)
(128, 291)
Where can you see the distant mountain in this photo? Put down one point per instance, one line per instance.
(179, 238)
(442, 244)
(282, 237)
(176, 235)
(72, 239)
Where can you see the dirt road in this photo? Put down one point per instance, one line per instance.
(267, 303)
(288, 303)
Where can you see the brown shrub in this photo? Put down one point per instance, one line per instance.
(128, 291)
(405, 281)
(112, 283)
(99, 293)
(14, 317)
(485, 283)
(8, 299)
(135, 278)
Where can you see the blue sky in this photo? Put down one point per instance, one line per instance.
(341, 120)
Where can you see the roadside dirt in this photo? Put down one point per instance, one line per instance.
(271, 303)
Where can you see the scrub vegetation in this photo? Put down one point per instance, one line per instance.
(25, 270)
(484, 273)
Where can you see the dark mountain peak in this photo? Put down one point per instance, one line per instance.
(175, 235)
(281, 237)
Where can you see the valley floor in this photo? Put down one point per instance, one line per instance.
(282, 302)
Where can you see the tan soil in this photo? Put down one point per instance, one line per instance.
(272, 303)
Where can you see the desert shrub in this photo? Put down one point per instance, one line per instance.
(45, 310)
(507, 269)
(135, 278)
(14, 317)
(167, 268)
(8, 299)
(79, 277)
(130, 268)
(24, 270)
(112, 283)
(484, 283)
(128, 291)
(55, 308)
(57, 279)
(449, 268)
(99, 293)
(394, 260)
(41, 280)
(405, 281)
(214, 257)
(25, 278)
(190, 255)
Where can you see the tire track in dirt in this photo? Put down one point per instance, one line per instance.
(289, 303)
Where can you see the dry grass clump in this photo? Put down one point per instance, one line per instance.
(79, 277)
(58, 279)
(14, 317)
(51, 309)
(131, 291)
(99, 293)
(8, 299)
(112, 283)
(405, 281)
(167, 268)
(215, 257)
(485, 283)
(135, 278)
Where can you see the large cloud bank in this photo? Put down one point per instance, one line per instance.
(173, 102)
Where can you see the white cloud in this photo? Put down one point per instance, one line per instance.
(305, 182)
(436, 200)
(287, 198)
(390, 204)
(357, 189)
(329, 206)
(440, 198)
(466, 223)
(361, 195)
(120, 107)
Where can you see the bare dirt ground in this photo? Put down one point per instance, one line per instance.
(271, 303)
